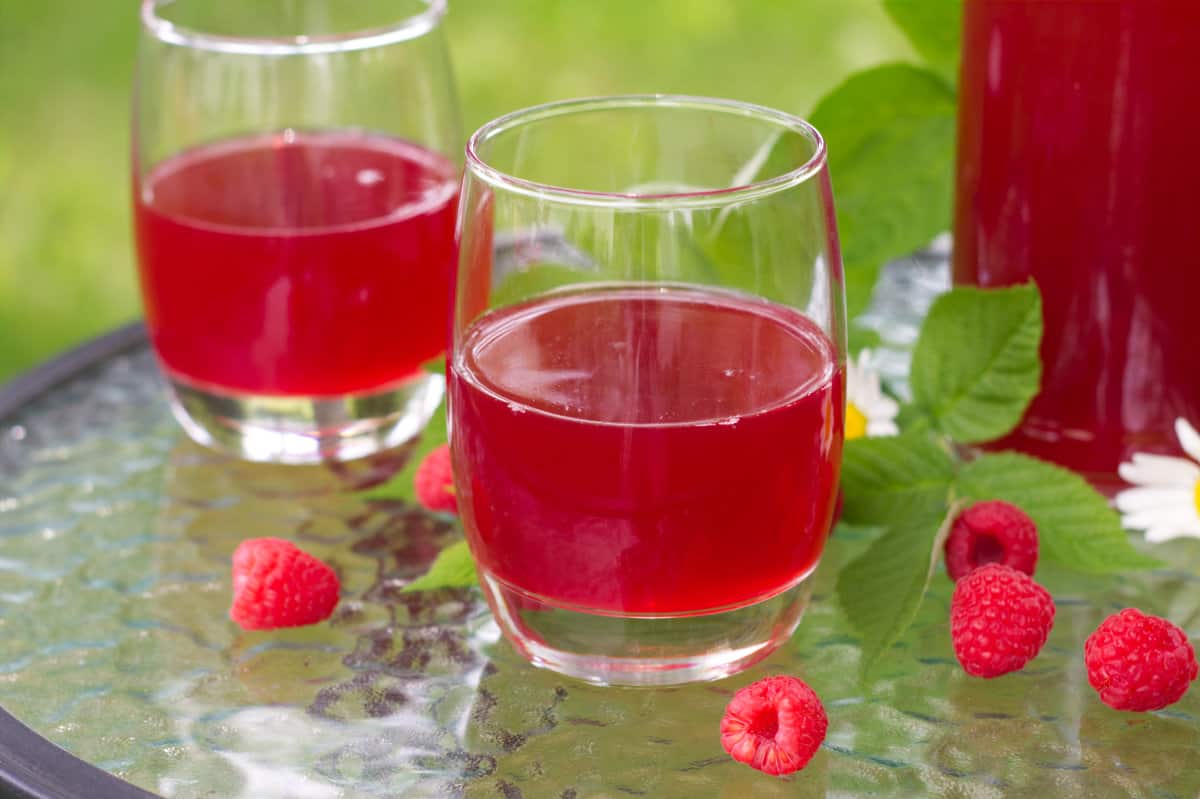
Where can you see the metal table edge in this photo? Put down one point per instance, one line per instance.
(31, 767)
(28, 386)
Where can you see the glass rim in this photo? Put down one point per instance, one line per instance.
(403, 29)
(705, 198)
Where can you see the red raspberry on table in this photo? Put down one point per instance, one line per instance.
(999, 620)
(991, 532)
(277, 584)
(1139, 662)
(434, 481)
(774, 725)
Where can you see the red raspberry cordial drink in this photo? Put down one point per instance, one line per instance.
(1077, 168)
(314, 264)
(621, 447)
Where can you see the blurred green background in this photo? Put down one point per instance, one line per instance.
(66, 263)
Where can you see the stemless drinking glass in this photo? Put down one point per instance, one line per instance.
(647, 381)
(295, 191)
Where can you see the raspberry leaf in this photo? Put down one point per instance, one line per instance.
(933, 27)
(976, 365)
(452, 568)
(895, 476)
(1076, 526)
(882, 590)
(892, 168)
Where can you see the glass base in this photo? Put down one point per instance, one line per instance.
(306, 430)
(644, 650)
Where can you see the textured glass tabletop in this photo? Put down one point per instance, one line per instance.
(115, 540)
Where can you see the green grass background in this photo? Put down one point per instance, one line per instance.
(66, 262)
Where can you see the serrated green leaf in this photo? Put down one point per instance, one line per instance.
(882, 590)
(893, 477)
(934, 27)
(1076, 526)
(452, 568)
(976, 365)
(890, 133)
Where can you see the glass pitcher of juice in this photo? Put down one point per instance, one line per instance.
(1079, 167)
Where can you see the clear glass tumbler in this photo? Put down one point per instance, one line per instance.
(647, 381)
(295, 171)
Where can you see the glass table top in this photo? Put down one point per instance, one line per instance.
(115, 540)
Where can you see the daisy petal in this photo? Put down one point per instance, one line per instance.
(1189, 439)
(1174, 517)
(1160, 470)
(884, 406)
(1138, 499)
(1156, 535)
(882, 427)
(1141, 520)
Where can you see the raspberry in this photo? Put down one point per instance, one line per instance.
(277, 584)
(1139, 662)
(774, 725)
(991, 532)
(999, 620)
(434, 481)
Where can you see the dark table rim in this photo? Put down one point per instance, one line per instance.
(26, 387)
(32, 767)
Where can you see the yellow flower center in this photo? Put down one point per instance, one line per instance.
(1196, 497)
(856, 427)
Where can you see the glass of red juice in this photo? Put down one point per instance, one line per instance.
(647, 388)
(295, 185)
(1077, 168)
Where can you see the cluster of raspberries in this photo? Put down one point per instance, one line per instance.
(999, 621)
(1000, 617)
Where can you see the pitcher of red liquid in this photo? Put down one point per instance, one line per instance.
(1078, 168)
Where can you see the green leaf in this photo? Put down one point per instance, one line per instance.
(1076, 526)
(934, 27)
(890, 133)
(860, 338)
(882, 590)
(976, 365)
(894, 477)
(452, 568)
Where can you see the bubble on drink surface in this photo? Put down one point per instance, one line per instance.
(369, 177)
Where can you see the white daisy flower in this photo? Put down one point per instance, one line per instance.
(869, 412)
(1165, 500)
